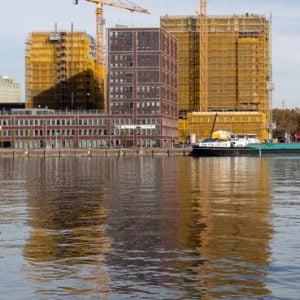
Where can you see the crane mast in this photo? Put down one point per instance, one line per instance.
(100, 63)
(100, 22)
(203, 55)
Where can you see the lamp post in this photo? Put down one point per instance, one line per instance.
(44, 134)
(56, 134)
(88, 99)
(0, 136)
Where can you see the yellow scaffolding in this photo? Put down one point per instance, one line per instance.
(60, 71)
(186, 31)
(238, 62)
(201, 124)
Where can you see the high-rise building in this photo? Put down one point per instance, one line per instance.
(142, 83)
(238, 62)
(10, 90)
(60, 71)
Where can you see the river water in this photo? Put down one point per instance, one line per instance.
(150, 228)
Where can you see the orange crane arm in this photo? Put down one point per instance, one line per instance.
(100, 64)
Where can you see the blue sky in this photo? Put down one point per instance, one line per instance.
(18, 18)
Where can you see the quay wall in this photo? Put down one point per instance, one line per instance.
(11, 153)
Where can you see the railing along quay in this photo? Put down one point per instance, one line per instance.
(154, 152)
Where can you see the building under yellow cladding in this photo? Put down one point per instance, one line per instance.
(201, 124)
(238, 70)
(60, 71)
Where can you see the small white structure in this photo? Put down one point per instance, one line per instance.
(10, 91)
(238, 140)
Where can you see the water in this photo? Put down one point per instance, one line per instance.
(149, 228)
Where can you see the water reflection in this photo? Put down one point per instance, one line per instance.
(187, 228)
(68, 239)
(232, 211)
(141, 228)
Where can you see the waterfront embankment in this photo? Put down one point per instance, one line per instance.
(94, 152)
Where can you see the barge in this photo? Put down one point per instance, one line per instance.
(249, 150)
(244, 145)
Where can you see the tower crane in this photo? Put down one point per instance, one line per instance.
(203, 53)
(100, 31)
(100, 21)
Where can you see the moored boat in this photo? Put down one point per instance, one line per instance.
(244, 145)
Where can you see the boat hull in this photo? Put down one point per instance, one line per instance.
(246, 151)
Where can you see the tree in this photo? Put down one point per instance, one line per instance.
(286, 120)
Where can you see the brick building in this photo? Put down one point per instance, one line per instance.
(142, 84)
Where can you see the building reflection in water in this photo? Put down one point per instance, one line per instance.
(228, 224)
(177, 227)
(67, 214)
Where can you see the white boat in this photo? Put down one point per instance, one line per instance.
(227, 140)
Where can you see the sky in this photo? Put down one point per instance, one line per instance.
(19, 18)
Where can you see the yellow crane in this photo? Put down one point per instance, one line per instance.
(100, 69)
(100, 21)
(203, 50)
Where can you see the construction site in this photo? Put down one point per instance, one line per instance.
(60, 71)
(224, 66)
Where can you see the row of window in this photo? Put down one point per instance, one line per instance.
(148, 111)
(121, 76)
(116, 121)
(129, 89)
(149, 60)
(56, 133)
(130, 132)
(121, 34)
(54, 122)
(140, 111)
(123, 111)
(129, 34)
(61, 144)
(147, 121)
(147, 93)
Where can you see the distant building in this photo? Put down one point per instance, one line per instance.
(10, 91)
(60, 71)
(142, 84)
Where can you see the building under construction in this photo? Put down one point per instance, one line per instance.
(60, 71)
(238, 63)
(200, 125)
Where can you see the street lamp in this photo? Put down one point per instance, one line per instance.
(56, 134)
(88, 99)
(0, 136)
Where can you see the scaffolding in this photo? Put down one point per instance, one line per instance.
(238, 66)
(185, 30)
(201, 124)
(60, 71)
